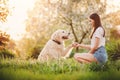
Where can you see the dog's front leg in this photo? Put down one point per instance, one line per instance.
(67, 51)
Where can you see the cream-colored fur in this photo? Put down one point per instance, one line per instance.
(53, 50)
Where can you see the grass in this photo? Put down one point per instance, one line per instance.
(22, 74)
(15, 69)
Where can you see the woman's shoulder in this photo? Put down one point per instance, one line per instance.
(99, 29)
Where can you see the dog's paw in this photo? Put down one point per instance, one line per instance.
(64, 58)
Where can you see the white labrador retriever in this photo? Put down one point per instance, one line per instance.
(55, 48)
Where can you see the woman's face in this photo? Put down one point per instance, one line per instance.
(92, 22)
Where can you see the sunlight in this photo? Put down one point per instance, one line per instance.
(118, 29)
(15, 25)
(113, 6)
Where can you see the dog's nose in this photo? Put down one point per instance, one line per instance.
(69, 33)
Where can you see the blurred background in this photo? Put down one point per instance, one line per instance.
(26, 25)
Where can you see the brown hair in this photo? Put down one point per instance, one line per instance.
(97, 22)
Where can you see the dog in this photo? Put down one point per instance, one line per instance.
(55, 47)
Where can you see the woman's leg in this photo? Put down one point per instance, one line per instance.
(82, 60)
(85, 57)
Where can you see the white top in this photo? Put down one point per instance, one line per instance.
(99, 34)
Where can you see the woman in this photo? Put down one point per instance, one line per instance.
(97, 52)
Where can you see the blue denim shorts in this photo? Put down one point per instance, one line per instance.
(101, 55)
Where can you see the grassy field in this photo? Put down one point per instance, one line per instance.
(16, 69)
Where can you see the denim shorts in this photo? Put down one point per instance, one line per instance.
(101, 55)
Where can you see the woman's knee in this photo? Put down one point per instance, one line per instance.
(76, 55)
(77, 58)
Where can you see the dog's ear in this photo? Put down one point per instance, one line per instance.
(55, 36)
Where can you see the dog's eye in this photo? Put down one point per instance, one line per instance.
(62, 31)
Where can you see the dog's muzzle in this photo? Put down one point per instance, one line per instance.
(66, 37)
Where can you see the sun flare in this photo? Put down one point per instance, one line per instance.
(15, 25)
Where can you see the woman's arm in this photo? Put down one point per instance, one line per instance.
(84, 46)
(97, 41)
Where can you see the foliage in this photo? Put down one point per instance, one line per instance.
(4, 39)
(116, 64)
(99, 67)
(75, 14)
(39, 27)
(6, 54)
(35, 52)
(6, 44)
(4, 10)
(114, 33)
(113, 49)
(48, 16)
(113, 18)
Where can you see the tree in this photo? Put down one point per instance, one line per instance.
(4, 39)
(40, 25)
(74, 13)
(6, 44)
(4, 10)
(114, 33)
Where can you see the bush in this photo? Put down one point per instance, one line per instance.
(113, 49)
(114, 34)
(35, 52)
(98, 67)
(6, 54)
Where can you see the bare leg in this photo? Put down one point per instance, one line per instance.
(85, 57)
(82, 60)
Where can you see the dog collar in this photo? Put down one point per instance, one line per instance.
(57, 42)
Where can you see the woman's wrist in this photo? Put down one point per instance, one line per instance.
(81, 45)
(85, 46)
(90, 52)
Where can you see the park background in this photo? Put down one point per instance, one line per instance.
(26, 25)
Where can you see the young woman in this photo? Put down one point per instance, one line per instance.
(97, 52)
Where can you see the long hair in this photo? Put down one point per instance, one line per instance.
(97, 23)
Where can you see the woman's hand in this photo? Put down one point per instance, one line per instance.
(90, 52)
(75, 44)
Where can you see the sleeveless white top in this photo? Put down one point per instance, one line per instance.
(99, 34)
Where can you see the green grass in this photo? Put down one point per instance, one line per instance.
(22, 74)
(15, 69)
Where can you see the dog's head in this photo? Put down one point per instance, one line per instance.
(60, 35)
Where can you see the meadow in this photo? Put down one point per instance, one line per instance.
(13, 68)
(17, 69)
(28, 27)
